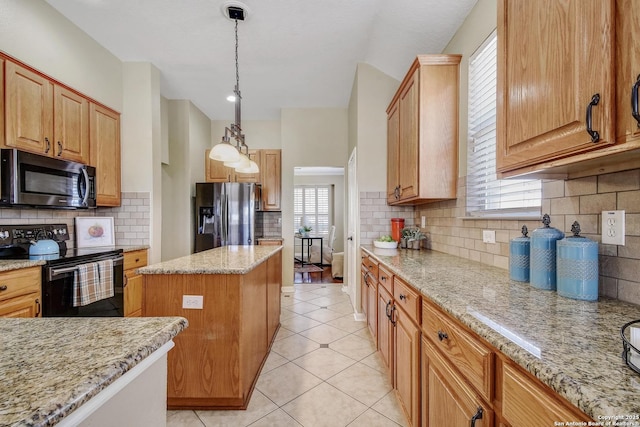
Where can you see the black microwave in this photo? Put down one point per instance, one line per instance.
(28, 179)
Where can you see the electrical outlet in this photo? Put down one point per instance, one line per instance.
(423, 222)
(192, 302)
(489, 236)
(613, 228)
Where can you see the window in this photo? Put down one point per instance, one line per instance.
(487, 195)
(312, 207)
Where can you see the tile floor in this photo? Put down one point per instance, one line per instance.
(323, 370)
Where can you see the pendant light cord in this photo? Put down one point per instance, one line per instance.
(237, 71)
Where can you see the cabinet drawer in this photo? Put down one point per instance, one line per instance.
(371, 265)
(385, 278)
(19, 282)
(407, 298)
(527, 403)
(465, 351)
(135, 259)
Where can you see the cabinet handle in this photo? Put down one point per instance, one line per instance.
(442, 336)
(46, 150)
(595, 136)
(477, 416)
(126, 281)
(59, 148)
(3, 288)
(402, 296)
(634, 101)
(38, 308)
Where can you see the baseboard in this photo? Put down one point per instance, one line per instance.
(359, 317)
(288, 289)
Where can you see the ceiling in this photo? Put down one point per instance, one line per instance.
(292, 53)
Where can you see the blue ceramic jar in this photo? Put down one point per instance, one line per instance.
(519, 257)
(543, 255)
(577, 263)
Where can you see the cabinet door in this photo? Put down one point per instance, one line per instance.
(28, 110)
(393, 149)
(408, 154)
(133, 295)
(446, 399)
(364, 292)
(2, 106)
(71, 125)
(547, 77)
(271, 180)
(216, 171)
(627, 68)
(250, 177)
(274, 282)
(22, 306)
(407, 366)
(105, 154)
(372, 315)
(385, 330)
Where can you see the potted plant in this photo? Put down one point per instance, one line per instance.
(305, 230)
(411, 238)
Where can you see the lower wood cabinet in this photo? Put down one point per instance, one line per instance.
(20, 293)
(385, 330)
(133, 282)
(407, 365)
(446, 399)
(274, 290)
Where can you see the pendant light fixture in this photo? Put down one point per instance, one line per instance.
(232, 156)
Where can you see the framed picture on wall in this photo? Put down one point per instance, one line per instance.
(94, 231)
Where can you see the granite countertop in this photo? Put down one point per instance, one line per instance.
(50, 367)
(573, 346)
(222, 260)
(10, 264)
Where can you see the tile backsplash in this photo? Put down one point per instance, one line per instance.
(131, 219)
(268, 224)
(581, 200)
(375, 216)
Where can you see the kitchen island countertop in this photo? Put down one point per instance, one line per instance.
(51, 367)
(222, 260)
(573, 346)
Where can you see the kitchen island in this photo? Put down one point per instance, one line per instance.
(231, 298)
(573, 347)
(72, 371)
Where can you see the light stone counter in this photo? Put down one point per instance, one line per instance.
(7, 265)
(51, 367)
(223, 260)
(572, 346)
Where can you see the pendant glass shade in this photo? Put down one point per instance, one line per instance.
(252, 168)
(242, 162)
(224, 152)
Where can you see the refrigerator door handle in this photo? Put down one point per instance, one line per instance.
(225, 228)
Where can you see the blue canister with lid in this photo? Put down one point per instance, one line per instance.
(577, 263)
(519, 257)
(543, 255)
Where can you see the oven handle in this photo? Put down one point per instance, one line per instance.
(53, 272)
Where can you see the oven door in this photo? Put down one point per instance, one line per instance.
(58, 288)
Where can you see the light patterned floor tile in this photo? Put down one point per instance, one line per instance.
(347, 323)
(294, 346)
(299, 323)
(277, 418)
(304, 295)
(354, 347)
(287, 300)
(372, 418)
(342, 307)
(273, 361)
(330, 290)
(183, 419)
(286, 383)
(324, 406)
(364, 332)
(328, 300)
(362, 383)
(375, 361)
(390, 407)
(324, 334)
(287, 314)
(323, 315)
(324, 362)
(303, 307)
(283, 333)
(258, 407)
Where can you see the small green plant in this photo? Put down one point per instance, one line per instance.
(306, 228)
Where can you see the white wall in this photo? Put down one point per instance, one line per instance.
(36, 34)
(310, 137)
(258, 133)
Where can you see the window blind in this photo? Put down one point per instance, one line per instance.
(487, 195)
(312, 207)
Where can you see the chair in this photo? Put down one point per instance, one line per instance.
(327, 249)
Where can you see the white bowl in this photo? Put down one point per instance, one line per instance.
(385, 245)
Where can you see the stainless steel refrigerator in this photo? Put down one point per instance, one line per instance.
(225, 214)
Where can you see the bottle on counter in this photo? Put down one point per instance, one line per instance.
(543, 255)
(519, 249)
(577, 263)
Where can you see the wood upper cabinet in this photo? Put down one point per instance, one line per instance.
(43, 117)
(271, 171)
(422, 133)
(2, 128)
(250, 177)
(20, 293)
(547, 80)
(105, 154)
(216, 171)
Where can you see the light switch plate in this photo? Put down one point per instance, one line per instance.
(193, 302)
(613, 228)
(489, 236)
(423, 221)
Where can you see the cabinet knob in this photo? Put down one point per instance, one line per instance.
(442, 335)
(3, 288)
(137, 259)
(383, 278)
(402, 296)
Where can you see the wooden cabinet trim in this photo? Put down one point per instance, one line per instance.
(385, 278)
(407, 298)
